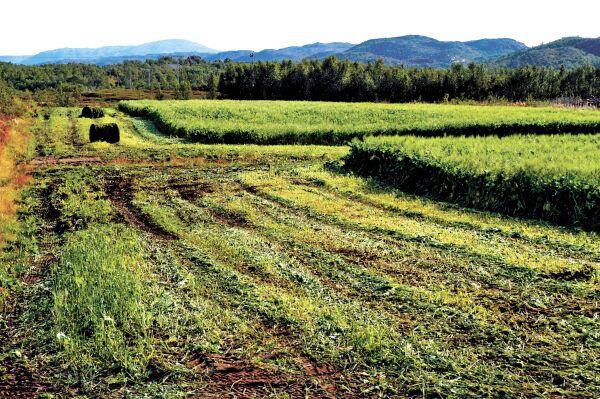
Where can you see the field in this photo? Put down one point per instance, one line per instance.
(555, 178)
(281, 122)
(158, 268)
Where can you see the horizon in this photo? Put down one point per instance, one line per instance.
(267, 24)
(272, 48)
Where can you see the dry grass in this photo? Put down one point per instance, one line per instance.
(14, 143)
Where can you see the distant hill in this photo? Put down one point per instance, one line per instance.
(569, 51)
(424, 51)
(412, 50)
(96, 55)
(174, 48)
(296, 53)
(15, 59)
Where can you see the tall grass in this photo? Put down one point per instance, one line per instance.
(285, 122)
(554, 178)
(99, 313)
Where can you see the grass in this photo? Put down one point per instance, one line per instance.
(163, 269)
(67, 135)
(554, 178)
(15, 147)
(281, 122)
(99, 313)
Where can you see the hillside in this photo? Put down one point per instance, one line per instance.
(568, 52)
(96, 55)
(295, 53)
(424, 51)
(412, 51)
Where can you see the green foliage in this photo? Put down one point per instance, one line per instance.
(184, 91)
(10, 105)
(159, 94)
(78, 200)
(67, 95)
(555, 178)
(334, 80)
(318, 80)
(213, 86)
(99, 313)
(270, 122)
(568, 52)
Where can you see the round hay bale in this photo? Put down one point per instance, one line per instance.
(108, 133)
(92, 112)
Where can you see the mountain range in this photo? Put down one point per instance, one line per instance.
(412, 50)
(568, 52)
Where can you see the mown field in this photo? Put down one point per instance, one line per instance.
(156, 268)
(287, 122)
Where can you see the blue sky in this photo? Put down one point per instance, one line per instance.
(31, 26)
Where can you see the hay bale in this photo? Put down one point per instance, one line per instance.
(109, 133)
(92, 112)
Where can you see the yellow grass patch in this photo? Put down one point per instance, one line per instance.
(14, 141)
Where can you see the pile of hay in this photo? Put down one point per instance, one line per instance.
(92, 112)
(109, 133)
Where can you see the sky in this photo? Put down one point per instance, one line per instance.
(29, 27)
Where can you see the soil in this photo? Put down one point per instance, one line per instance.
(237, 378)
(70, 161)
(18, 382)
(120, 192)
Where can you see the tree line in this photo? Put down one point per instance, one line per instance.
(321, 80)
(335, 80)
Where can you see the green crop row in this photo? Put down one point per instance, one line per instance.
(287, 122)
(553, 178)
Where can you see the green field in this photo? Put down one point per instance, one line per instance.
(157, 268)
(285, 122)
(555, 178)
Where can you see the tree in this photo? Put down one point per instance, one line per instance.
(159, 94)
(213, 86)
(184, 91)
(6, 99)
(67, 95)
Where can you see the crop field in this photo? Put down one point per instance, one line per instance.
(159, 268)
(285, 122)
(555, 178)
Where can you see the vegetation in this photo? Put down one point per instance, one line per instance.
(326, 80)
(555, 178)
(15, 147)
(160, 268)
(567, 52)
(329, 123)
(333, 80)
(422, 51)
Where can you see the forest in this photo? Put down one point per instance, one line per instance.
(327, 80)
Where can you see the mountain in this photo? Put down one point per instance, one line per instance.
(493, 48)
(424, 51)
(15, 59)
(174, 48)
(95, 55)
(296, 53)
(568, 52)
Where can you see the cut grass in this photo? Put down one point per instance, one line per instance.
(287, 122)
(257, 272)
